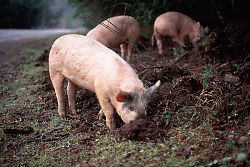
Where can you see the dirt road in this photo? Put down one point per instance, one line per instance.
(17, 34)
(13, 41)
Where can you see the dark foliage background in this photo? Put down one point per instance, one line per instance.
(28, 13)
(209, 12)
(32, 13)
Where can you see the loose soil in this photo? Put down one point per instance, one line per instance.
(193, 88)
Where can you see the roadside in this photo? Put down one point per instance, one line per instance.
(13, 41)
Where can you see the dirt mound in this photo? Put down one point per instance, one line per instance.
(142, 130)
(176, 94)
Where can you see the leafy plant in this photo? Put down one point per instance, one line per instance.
(206, 75)
(178, 51)
(245, 64)
(166, 116)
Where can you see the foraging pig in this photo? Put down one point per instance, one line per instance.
(115, 31)
(177, 26)
(87, 63)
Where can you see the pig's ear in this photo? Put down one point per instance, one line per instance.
(197, 26)
(151, 90)
(206, 29)
(123, 96)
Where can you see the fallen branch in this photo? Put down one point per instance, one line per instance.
(146, 68)
(41, 140)
(178, 57)
(46, 139)
(168, 64)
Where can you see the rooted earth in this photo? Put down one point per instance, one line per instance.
(209, 81)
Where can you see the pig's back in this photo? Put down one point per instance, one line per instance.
(115, 30)
(171, 23)
(81, 59)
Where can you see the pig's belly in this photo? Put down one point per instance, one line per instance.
(81, 81)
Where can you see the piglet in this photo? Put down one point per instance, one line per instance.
(177, 26)
(87, 63)
(121, 31)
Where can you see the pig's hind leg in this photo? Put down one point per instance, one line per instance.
(180, 41)
(159, 39)
(58, 83)
(124, 48)
(71, 90)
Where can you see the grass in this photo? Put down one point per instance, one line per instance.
(178, 51)
(23, 104)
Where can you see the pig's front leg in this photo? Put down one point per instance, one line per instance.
(71, 90)
(108, 110)
(159, 45)
(180, 41)
(159, 39)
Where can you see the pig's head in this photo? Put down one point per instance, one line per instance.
(198, 33)
(132, 105)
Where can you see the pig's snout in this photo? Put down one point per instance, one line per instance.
(133, 113)
(140, 116)
(133, 106)
(133, 116)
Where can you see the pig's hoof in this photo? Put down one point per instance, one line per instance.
(73, 113)
(111, 127)
(100, 115)
(63, 116)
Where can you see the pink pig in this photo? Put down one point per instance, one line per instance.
(115, 31)
(86, 63)
(177, 26)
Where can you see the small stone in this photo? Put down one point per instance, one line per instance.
(243, 139)
(231, 79)
(241, 157)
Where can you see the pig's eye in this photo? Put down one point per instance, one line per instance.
(131, 108)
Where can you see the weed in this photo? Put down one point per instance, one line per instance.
(244, 64)
(178, 51)
(166, 116)
(207, 75)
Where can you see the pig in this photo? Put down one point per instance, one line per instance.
(116, 31)
(177, 26)
(87, 63)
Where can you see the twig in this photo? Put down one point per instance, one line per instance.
(241, 109)
(145, 68)
(41, 140)
(46, 139)
(174, 61)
